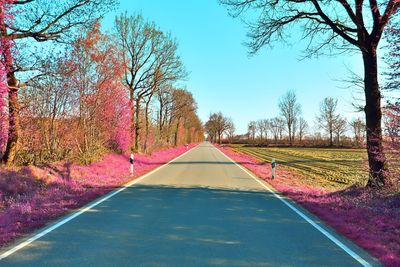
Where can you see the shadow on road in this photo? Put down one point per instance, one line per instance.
(174, 226)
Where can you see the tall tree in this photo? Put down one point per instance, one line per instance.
(327, 116)
(290, 109)
(40, 21)
(339, 25)
(138, 40)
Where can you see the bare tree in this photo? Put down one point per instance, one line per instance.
(290, 109)
(339, 128)
(217, 124)
(230, 129)
(182, 106)
(303, 127)
(358, 127)
(138, 40)
(262, 128)
(211, 131)
(277, 126)
(252, 129)
(340, 26)
(327, 116)
(150, 59)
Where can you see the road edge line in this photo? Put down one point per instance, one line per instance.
(339, 243)
(84, 209)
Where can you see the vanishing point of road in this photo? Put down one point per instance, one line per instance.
(201, 209)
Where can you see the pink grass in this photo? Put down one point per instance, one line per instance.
(31, 196)
(369, 219)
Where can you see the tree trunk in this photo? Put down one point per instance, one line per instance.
(373, 116)
(160, 122)
(146, 125)
(132, 126)
(176, 133)
(330, 138)
(14, 123)
(137, 124)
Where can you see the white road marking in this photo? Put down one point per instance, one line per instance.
(305, 217)
(83, 210)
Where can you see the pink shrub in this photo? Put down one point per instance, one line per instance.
(33, 196)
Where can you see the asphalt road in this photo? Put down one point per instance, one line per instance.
(200, 210)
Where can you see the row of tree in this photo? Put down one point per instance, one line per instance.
(290, 128)
(84, 91)
(337, 27)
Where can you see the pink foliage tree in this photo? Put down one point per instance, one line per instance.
(5, 63)
(107, 98)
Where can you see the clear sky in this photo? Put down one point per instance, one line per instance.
(224, 78)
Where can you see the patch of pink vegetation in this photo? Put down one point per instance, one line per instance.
(33, 196)
(369, 219)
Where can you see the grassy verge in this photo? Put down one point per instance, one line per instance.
(32, 196)
(370, 219)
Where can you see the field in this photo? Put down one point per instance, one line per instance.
(319, 179)
(330, 168)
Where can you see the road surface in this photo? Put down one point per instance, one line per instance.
(199, 210)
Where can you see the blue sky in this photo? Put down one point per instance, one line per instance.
(224, 78)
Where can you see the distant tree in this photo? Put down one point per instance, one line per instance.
(262, 128)
(230, 129)
(358, 127)
(339, 128)
(303, 127)
(277, 126)
(341, 26)
(252, 130)
(164, 99)
(211, 131)
(183, 105)
(274, 129)
(327, 116)
(392, 122)
(290, 109)
(216, 125)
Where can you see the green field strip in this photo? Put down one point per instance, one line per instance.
(335, 170)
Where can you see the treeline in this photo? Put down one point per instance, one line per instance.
(291, 129)
(86, 91)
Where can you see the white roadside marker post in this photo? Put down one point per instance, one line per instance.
(131, 160)
(273, 165)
